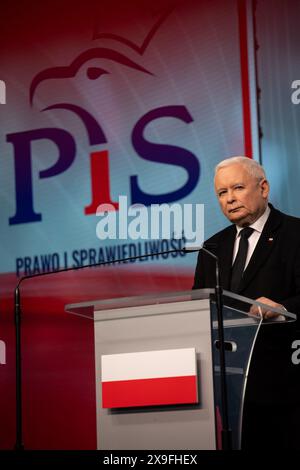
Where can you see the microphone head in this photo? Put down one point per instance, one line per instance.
(193, 248)
(207, 246)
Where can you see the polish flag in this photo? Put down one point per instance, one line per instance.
(149, 378)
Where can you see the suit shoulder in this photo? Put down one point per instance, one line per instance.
(290, 219)
(220, 235)
(291, 222)
(289, 228)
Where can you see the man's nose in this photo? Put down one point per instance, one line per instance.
(230, 197)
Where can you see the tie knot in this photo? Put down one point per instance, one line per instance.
(246, 232)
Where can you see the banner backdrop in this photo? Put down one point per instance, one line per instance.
(104, 100)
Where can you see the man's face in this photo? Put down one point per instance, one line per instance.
(243, 199)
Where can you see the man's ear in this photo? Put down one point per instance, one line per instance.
(265, 188)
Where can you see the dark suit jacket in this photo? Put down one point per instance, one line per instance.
(273, 270)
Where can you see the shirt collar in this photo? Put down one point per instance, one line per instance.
(258, 225)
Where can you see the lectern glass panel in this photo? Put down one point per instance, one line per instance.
(140, 328)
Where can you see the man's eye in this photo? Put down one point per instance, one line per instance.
(221, 193)
(239, 187)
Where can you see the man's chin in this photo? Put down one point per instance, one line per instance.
(238, 217)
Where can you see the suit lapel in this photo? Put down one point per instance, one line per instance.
(263, 248)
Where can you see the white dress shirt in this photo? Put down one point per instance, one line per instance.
(254, 237)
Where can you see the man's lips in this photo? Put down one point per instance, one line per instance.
(235, 209)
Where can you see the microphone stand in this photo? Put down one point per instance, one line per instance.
(19, 442)
(226, 431)
(19, 445)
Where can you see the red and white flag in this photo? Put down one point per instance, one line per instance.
(149, 378)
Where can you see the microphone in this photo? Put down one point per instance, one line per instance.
(226, 433)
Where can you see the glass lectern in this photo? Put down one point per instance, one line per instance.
(140, 327)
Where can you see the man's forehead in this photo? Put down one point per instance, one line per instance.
(231, 174)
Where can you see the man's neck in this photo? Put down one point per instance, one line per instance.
(259, 220)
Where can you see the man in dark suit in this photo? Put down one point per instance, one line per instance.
(259, 258)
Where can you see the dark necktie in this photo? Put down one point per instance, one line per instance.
(240, 260)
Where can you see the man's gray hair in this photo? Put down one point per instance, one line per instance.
(252, 167)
